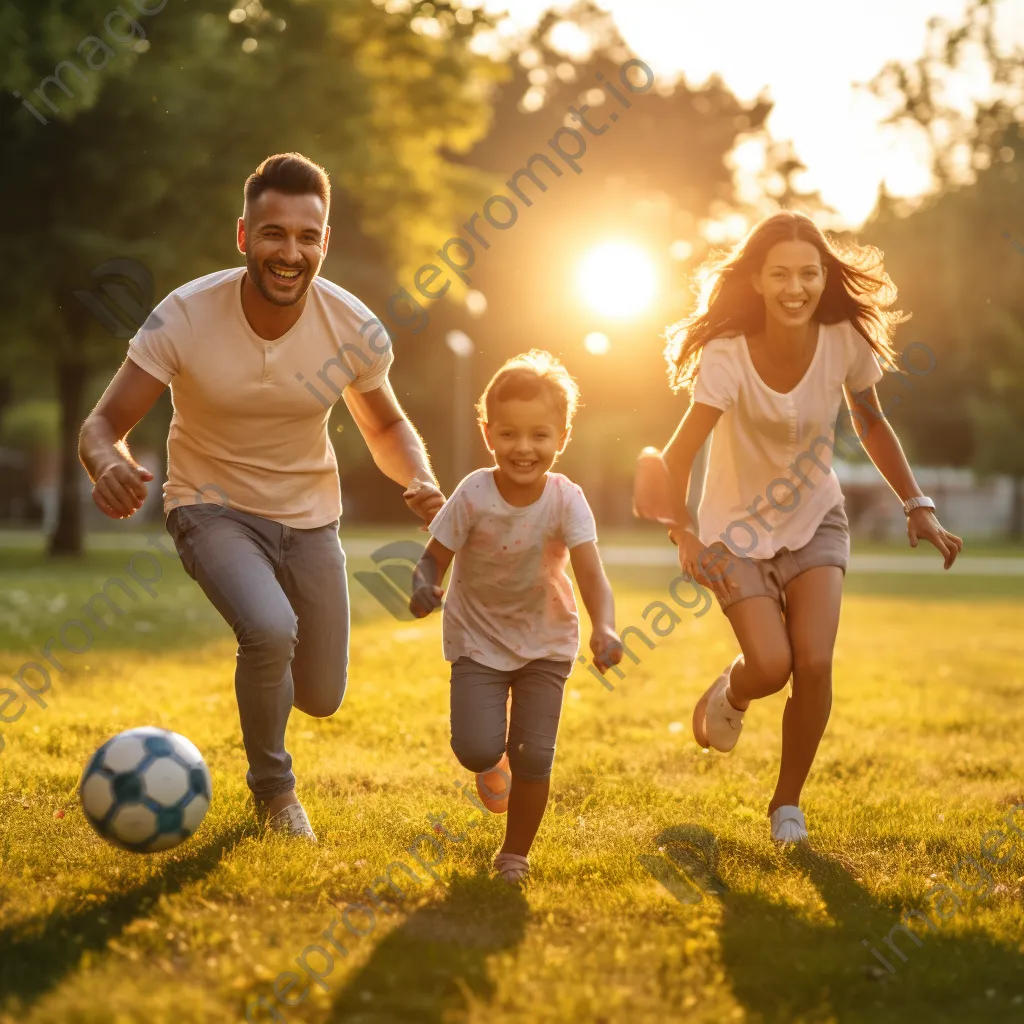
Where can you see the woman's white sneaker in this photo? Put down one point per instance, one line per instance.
(788, 824)
(716, 723)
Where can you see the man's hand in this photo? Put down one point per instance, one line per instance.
(424, 498)
(606, 648)
(120, 489)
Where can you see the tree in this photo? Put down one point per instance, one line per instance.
(954, 256)
(656, 174)
(144, 157)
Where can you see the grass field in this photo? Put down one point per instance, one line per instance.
(922, 759)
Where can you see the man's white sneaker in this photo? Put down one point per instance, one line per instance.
(292, 821)
(716, 723)
(788, 824)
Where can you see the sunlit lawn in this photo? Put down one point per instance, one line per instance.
(923, 757)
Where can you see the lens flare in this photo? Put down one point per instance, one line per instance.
(618, 279)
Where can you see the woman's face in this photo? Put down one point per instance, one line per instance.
(791, 282)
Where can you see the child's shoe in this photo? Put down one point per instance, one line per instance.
(494, 786)
(512, 868)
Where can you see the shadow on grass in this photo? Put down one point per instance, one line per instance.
(784, 968)
(36, 954)
(431, 967)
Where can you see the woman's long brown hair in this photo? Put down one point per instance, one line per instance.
(857, 289)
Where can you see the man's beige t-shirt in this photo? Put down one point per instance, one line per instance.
(250, 416)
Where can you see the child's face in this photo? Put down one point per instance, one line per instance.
(525, 436)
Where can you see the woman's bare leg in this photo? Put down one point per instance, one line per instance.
(812, 620)
(767, 660)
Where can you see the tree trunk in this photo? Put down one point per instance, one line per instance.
(67, 535)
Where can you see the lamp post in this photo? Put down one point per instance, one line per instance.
(462, 347)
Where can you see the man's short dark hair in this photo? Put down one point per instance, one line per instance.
(291, 173)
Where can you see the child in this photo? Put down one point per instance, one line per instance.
(510, 619)
(787, 324)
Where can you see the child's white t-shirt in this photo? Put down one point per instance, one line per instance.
(509, 600)
(769, 480)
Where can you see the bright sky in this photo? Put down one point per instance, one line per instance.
(807, 54)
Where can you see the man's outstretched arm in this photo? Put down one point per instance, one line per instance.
(119, 482)
(396, 448)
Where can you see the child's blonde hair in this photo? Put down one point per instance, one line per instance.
(526, 376)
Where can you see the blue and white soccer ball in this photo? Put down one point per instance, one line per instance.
(146, 790)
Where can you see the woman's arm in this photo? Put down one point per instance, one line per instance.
(597, 596)
(695, 560)
(679, 453)
(427, 577)
(879, 440)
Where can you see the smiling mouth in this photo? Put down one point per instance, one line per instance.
(522, 464)
(284, 273)
(793, 306)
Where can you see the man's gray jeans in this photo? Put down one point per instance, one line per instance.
(284, 593)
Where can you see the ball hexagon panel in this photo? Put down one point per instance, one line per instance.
(124, 753)
(195, 811)
(97, 795)
(168, 820)
(200, 781)
(164, 842)
(133, 823)
(185, 749)
(127, 787)
(158, 746)
(165, 781)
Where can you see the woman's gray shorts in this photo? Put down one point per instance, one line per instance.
(768, 577)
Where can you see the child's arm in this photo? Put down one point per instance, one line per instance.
(596, 592)
(427, 576)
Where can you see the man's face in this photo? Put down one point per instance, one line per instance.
(284, 239)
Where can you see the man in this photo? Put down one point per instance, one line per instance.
(252, 497)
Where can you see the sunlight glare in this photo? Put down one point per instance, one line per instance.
(618, 279)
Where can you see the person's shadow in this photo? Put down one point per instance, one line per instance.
(428, 967)
(786, 966)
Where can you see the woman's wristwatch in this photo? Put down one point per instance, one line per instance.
(911, 503)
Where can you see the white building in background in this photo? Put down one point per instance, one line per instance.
(968, 505)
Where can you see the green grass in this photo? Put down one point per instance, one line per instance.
(922, 758)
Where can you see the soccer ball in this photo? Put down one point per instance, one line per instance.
(146, 790)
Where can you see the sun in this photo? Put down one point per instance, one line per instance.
(618, 279)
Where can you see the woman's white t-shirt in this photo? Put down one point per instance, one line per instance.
(769, 479)
(509, 600)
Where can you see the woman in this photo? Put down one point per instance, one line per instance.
(786, 325)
